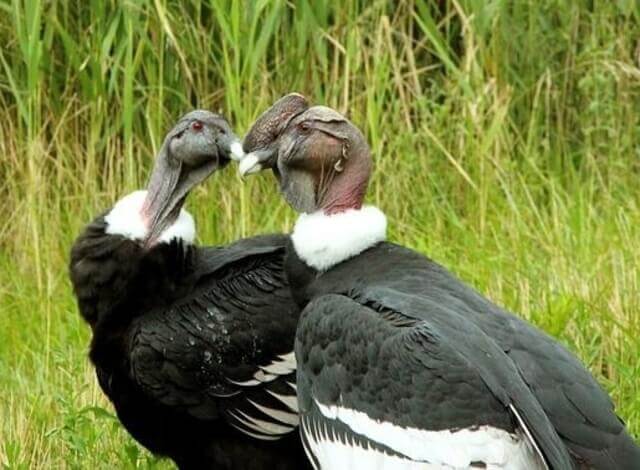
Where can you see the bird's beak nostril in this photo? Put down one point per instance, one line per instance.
(196, 126)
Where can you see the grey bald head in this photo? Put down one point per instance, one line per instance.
(320, 158)
(200, 143)
(200, 137)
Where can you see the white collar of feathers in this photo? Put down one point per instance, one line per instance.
(322, 240)
(126, 219)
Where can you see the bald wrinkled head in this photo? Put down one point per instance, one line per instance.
(320, 158)
(273, 121)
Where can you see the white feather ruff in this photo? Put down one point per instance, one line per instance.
(322, 240)
(126, 219)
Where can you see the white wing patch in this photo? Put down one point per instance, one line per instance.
(282, 416)
(495, 448)
(260, 425)
(283, 420)
(333, 452)
(284, 365)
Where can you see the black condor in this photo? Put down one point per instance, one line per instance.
(400, 364)
(192, 345)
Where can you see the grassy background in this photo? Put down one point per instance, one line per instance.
(506, 136)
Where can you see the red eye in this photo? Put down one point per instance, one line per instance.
(196, 125)
(304, 127)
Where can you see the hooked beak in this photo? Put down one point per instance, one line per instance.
(256, 161)
(230, 146)
(236, 152)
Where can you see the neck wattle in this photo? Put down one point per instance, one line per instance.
(345, 193)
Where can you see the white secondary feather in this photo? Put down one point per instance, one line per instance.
(266, 427)
(455, 449)
(282, 416)
(285, 421)
(283, 365)
(322, 240)
(262, 437)
(282, 422)
(333, 453)
(126, 219)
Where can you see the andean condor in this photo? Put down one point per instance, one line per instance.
(193, 345)
(400, 364)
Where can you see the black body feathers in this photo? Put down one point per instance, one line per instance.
(190, 344)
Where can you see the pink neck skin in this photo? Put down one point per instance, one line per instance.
(348, 188)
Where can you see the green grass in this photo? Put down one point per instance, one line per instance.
(506, 136)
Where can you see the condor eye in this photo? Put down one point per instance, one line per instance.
(304, 127)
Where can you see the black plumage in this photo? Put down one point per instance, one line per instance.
(435, 371)
(390, 294)
(396, 348)
(193, 346)
(175, 329)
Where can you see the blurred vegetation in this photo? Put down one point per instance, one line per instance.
(506, 136)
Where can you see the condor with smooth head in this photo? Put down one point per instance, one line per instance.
(192, 345)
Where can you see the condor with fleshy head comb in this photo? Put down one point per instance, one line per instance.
(192, 345)
(400, 364)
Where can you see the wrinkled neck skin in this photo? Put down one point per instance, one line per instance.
(347, 189)
(345, 192)
(340, 227)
